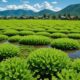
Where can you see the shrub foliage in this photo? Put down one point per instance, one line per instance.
(8, 50)
(35, 40)
(65, 44)
(46, 62)
(14, 69)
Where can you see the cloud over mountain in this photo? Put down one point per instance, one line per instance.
(35, 7)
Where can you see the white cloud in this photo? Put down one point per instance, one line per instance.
(36, 7)
(4, 1)
(2, 9)
(47, 5)
(55, 2)
(15, 7)
(50, 6)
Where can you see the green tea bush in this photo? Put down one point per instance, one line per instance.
(19, 28)
(10, 32)
(23, 33)
(51, 30)
(8, 50)
(46, 62)
(14, 38)
(64, 31)
(74, 36)
(14, 69)
(76, 65)
(3, 37)
(65, 44)
(43, 33)
(58, 35)
(35, 40)
(38, 29)
(68, 75)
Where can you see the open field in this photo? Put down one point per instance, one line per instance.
(40, 46)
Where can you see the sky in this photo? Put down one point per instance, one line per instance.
(36, 5)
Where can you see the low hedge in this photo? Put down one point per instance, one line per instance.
(74, 35)
(3, 37)
(68, 75)
(43, 33)
(14, 69)
(23, 33)
(10, 32)
(35, 40)
(65, 44)
(46, 62)
(14, 38)
(76, 65)
(8, 50)
(58, 35)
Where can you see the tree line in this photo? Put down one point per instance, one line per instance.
(45, 16)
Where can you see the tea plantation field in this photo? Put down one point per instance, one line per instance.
(37, 49)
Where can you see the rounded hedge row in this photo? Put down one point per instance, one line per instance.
(76, 65)
(74, 35)
(8, 50)
(10, 32)
(65, 44)
(43, 33)
(3, 37)
(14, 69)
(47, 61)
(23, 33)
(38, 29)
(68, 75)
(14, 38)
(58, 35)
(35, 40)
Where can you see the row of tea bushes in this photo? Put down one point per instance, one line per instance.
(74, 36)
(8, 50)
(12, 32)
(60, 43)
(46, 62)
(68, 75)
(3, 37)
(14, 69)
(35, 40)
(23, 33)
(41, 26)
(53, 35)
(58, 35)
(43, 34)
(65, 44)
(26, 31)
(41, 64)
(15, 38)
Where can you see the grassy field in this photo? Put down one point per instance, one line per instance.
(39, 46)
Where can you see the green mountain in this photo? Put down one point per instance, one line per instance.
(73, 10)
(18, 12)
(45, 11)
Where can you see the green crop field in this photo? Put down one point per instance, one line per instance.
(38, 49)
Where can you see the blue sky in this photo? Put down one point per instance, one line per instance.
(36, 5)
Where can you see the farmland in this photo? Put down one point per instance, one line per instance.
(38, 49)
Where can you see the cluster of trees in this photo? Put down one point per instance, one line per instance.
(45, 16)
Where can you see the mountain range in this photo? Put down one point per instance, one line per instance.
(71, 9)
